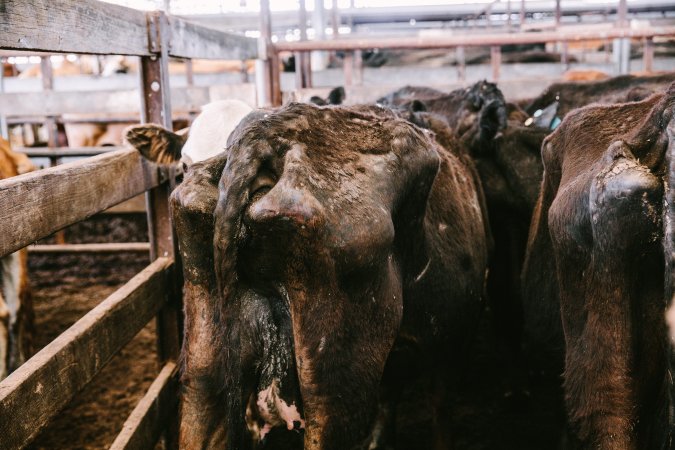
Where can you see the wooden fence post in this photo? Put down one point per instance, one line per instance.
(648, 54)
(461, 64)
(47, 75)
(303, 70)
(496, 59)
(156, 108)
(263, 64)
(348, 67)
(358, 67)
(50, 123)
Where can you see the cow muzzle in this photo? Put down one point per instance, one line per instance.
(287, 207)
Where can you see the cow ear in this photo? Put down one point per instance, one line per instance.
(417, 106)
(316, 100)
(336, 96)
(156, 143)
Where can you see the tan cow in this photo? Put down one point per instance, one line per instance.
(16, 308)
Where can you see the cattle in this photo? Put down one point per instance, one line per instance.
(584, 75)
(506, 156)
(597, 228)
(511, 171)
(335, 97)
(16, 309)
(624, 88)
(330, 254)
(85, 134)
(475, 114)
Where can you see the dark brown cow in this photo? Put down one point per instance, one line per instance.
(476, 114)
(507, 157)
(598, 226)
(329, 253)
(510, 169)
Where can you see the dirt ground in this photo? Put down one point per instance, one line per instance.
(65, 287)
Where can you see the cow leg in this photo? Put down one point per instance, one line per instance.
(202, 410)
(17, 302)
(614, 331)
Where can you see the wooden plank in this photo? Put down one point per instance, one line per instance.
(37, 204)
(156, 109)
(189, 40)
(648, 55)
(36, 152)
(496, 61)
(263, 71)
(72, 26)
(107, 119)
(515, 89)
(113, 247)
(32, 395)
(93, 102)
(144, 425)
(133, 205)
(244, 92)
(467, 40)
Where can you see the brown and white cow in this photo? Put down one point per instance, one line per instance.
(16, 309)
(330, 256)
(598, 225)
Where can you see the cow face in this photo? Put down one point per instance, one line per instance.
(476, 113)
(316, 208)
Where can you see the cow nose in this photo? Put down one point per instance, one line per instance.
(285, 204)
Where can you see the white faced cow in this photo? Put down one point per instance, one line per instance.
(206, 137)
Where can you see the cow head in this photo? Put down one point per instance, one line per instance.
(318, 216)
(476, 113)
(335, 97)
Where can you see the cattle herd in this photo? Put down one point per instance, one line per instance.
(333, 255)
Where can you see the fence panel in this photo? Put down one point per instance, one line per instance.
(32, 395)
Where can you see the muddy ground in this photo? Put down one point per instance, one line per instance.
(65, 287)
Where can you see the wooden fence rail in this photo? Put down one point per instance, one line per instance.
(452, 41)
(37, 204)
(92, 27)
(145, 423)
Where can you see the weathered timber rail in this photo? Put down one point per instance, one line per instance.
(37, 204)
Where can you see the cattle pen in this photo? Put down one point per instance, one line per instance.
(35, 205)
(38, 204)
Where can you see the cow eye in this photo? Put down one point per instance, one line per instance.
(262, 184)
